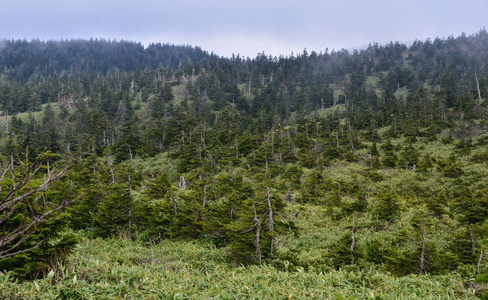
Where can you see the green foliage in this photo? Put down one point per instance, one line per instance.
(116, 210)
(130, 143)
(32, 200)
(387, 207)
(480, 157)
(341, 252)
(378, 252)
(119, 268)
(438, 204)
(292, 175)
(474, 208)
(461, 246)
(450, 167)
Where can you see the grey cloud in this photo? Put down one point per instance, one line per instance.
(246, 27)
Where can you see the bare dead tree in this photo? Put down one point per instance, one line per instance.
(130, 207)
(204, 195)
(258, 235)
(131, 157)
(422, 253)
(110, 161)
(19, 193)
(478, 88)
(473, 245)
(182, 183)
(270, 218)
(7, 130)
(479, 260)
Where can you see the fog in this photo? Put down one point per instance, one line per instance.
(246, 28)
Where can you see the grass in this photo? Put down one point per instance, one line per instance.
(37, 115)
(122, 269)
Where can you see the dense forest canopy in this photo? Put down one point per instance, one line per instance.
(387, 144)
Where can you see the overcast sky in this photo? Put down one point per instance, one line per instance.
(244, 27)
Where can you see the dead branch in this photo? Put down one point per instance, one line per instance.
(19, 192)
(258, 234)
(479, 260)
(270, 218)
(422, 254)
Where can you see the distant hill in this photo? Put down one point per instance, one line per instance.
(23, 59)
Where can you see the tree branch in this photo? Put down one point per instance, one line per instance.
(19, 194)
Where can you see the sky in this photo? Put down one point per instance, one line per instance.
(244, 28)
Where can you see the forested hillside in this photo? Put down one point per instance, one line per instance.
(361, 161)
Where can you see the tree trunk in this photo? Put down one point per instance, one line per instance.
(422, 253)
(204, 195)
(182, 184)
(270, 218)
(478, 87)
(131, 158)
(257, 236)
(479, 260)
(130, 208)
(473, 245)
